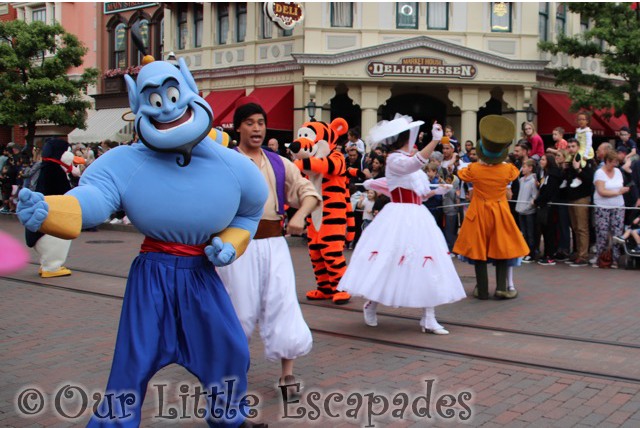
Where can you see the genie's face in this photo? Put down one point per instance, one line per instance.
(170, 116)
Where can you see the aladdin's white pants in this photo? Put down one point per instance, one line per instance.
(262, 287)
(52, 251)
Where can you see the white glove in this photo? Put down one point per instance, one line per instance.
(436, 132)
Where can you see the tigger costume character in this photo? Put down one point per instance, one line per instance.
(332, 222)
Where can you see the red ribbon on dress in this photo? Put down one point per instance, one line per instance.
(151, 245)
(69, 168)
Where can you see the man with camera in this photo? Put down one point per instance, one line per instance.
(580, 175)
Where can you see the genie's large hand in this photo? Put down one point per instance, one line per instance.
(219, 253)
(32, 209)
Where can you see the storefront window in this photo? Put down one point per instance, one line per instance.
(146, 41)
(561, 18)
(407, 15)
(265, 23)
(160, 43)
(437, 16)
(120, 46)
(501, 17)
(182, 25)
(197, 24)
(543, 21)
(341, 14)
(584, 24)
(223, 22)
(39, 15)
(241, 21)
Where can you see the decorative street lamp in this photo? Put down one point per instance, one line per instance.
(311, 110)
(530, 113)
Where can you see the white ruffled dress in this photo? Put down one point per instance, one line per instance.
(402, 259)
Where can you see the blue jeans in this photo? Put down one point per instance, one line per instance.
(528, 229)
(451, 229)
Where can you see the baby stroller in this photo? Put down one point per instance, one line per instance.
(630, 260)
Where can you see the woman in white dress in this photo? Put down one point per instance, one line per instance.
(402, 259)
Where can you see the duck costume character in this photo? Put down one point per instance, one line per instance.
(489, 232)
(332, 223)
(198, 205)
(57, 163)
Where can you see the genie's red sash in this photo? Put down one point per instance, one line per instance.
(151, 245)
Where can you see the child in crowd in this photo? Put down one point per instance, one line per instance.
(451, 213)
(584, 135)
(534, 140)
(366, 205)
(633, 232)
(448, 132)
(560, 142)
(525, 207)
(435, 202)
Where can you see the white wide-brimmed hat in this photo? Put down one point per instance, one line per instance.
(386, 132)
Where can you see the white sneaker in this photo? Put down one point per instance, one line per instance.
(115, 221)
(369, 311)
(575, 183)
(593, 260)
(125, 220)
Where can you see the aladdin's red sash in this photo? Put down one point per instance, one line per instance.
(405, 196)
(151, 245)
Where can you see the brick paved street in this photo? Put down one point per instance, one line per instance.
(51, 336)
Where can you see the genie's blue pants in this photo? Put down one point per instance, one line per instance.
(176, 310)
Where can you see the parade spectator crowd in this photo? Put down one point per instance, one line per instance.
(569, 209)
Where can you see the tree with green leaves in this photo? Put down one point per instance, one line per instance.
(614, 38)
(34, 61)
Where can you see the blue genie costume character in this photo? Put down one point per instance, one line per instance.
(197, 210)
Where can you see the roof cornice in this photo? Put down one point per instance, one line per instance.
(234, 71)
(420, 42)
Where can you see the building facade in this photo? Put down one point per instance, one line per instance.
(451, 62)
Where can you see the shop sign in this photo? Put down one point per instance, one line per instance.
(123, 6)
(421, 67)
(285, 14)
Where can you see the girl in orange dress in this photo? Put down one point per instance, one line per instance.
(489, 232)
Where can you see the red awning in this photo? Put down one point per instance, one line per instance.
(277, 102)
(553, 111)
(615, 123)
(222, 102)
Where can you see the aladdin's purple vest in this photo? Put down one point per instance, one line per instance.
(279, 172)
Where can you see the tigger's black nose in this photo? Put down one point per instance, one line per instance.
(295, 147)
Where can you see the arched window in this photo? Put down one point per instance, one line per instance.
(146, 41)
(120, 46)
(160, 42)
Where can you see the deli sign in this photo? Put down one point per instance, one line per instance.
(285, 14)
(421, 67)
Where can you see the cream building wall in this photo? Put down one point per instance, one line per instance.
(320, 60)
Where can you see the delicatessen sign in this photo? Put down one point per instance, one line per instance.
(421, 67)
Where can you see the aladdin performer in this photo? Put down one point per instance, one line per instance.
(262, 284)
(402, 257)
(489, 231)
(179, 188)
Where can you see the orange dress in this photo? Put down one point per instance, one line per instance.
(489, 230)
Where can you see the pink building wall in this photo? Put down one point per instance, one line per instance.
(79, 18)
